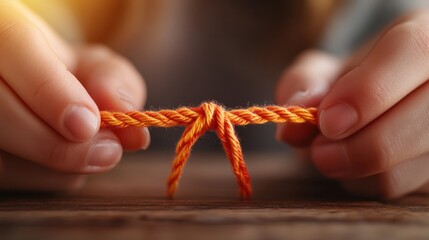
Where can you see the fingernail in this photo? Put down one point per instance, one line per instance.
(103, 155)
(80, 122)
(127, 100)
(337, 119)
(331, 159)
(146, 141)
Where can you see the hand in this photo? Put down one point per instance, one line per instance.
(374, 119)
(50, 96)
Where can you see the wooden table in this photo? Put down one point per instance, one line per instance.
(289, 203)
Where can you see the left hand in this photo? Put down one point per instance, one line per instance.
(373, 121)
(49, 89)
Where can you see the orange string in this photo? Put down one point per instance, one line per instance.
(205, 117)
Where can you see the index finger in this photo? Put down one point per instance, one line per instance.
(35, 73)
(396, 66)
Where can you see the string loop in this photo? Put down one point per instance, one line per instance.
(209, 116)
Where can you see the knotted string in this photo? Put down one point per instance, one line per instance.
(209, 116)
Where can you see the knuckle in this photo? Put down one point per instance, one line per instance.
(62, 158)
(44, 87)
(414, 34)
(381, 186)
(387, 185)
(11, 27)
(381, 154)
(95, 54)
(41, 88)
(377, 91)
(420, 37)
(374, 156)
(105, 55)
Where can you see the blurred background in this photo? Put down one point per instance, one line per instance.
(228, 51)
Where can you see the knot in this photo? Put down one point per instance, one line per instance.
(209, 116)
(208, 113)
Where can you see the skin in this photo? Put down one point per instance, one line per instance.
(373, 111)
(50, 96)
(372, 107)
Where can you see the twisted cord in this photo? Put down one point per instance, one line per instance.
(205, 117)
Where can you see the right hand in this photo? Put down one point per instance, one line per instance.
(50, 96)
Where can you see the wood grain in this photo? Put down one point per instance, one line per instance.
(290, 202)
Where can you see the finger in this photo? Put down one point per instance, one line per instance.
(304, 84)
(115, 85)
(424, 189)
(396, 66)
(297, 135)
(399, 134)
(309, 77)
(32, 69)
(23, 134)
(362, 52)
(407, 177)
(59, 46)
(19, 174)
(133, 138)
